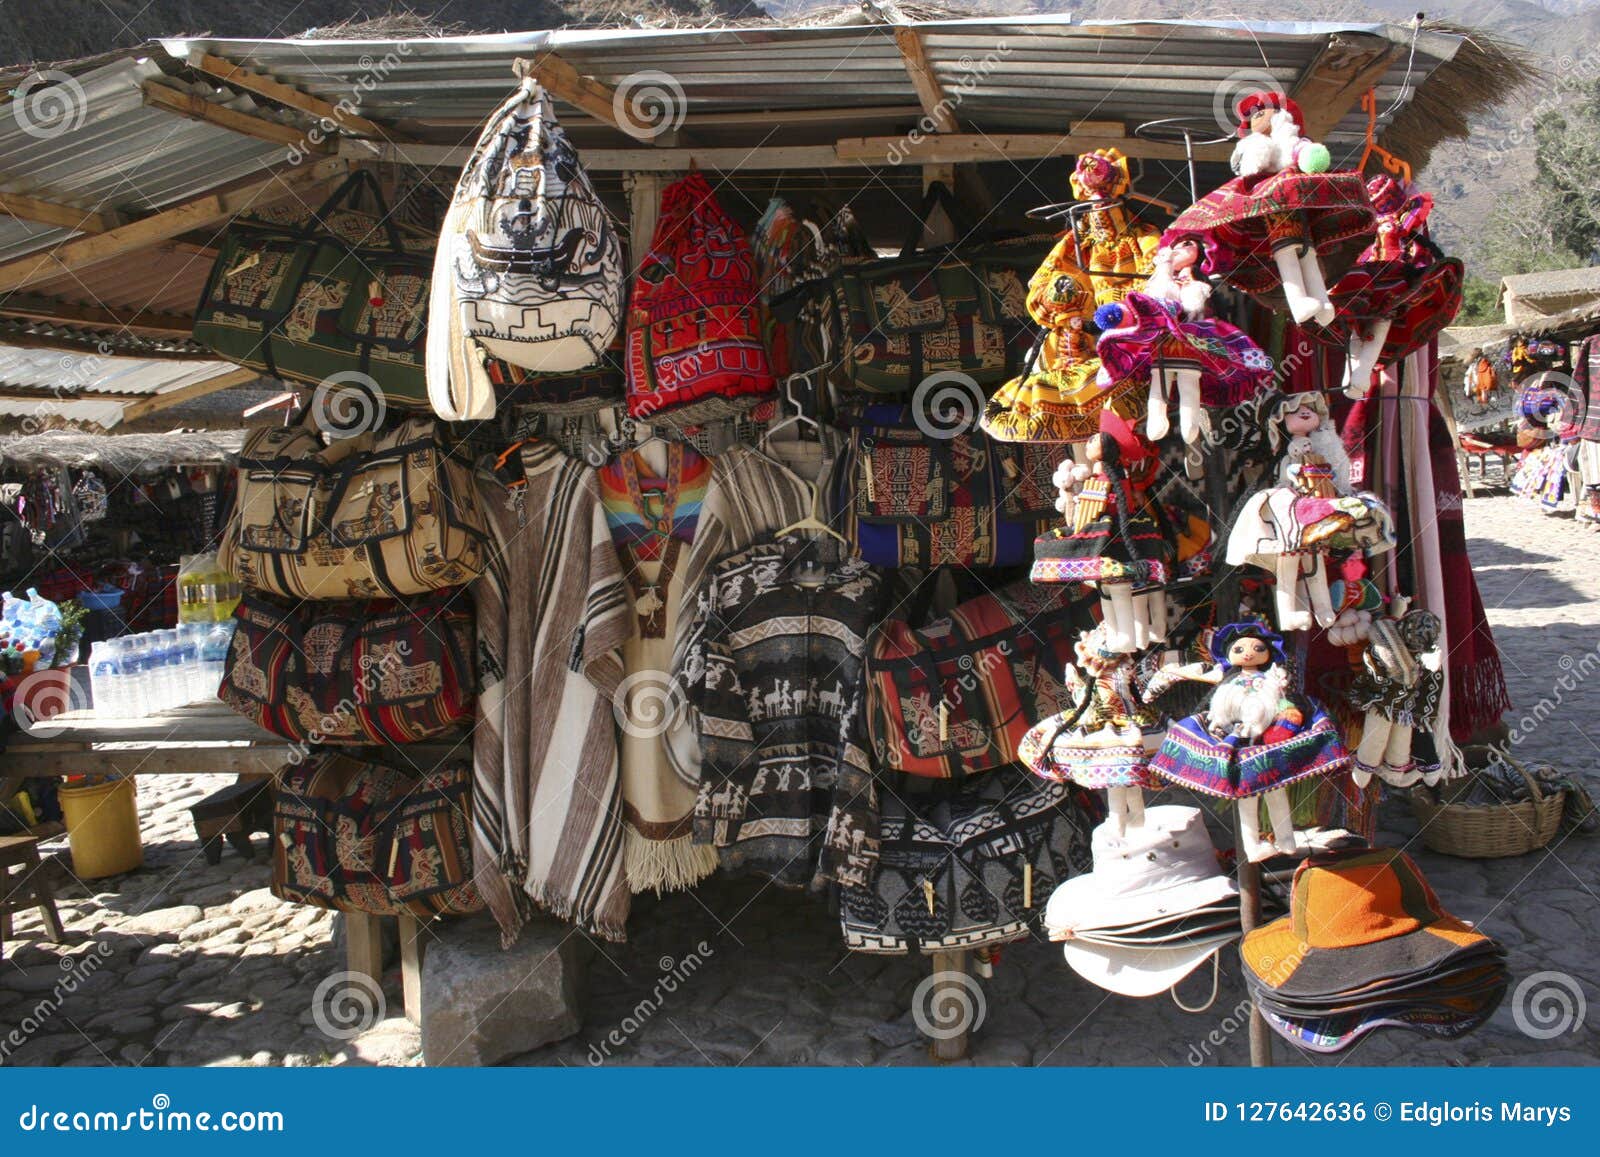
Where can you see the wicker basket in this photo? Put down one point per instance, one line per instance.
(1489, 831)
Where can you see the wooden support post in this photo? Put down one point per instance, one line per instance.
(1249, 919)
(363, 945)
(412, 947)
(644, 206)
(951, 969)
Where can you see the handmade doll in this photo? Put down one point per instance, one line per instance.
(1165, 332)
(1115, 538)
(1254, 739)
(1099, 259)
(1400, 294)
(1116, 250)
(1289, 528)
(1284, 223)
(1106, 740)
(1400, 688)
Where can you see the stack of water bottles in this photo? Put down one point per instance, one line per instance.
(155, 671)
(138, 675)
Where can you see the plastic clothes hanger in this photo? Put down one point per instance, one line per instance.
(1392, 163)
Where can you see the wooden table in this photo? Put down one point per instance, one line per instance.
(205, 738)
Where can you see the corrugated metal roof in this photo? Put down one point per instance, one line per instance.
(1013, 74)
(1025, 74)
(167, 281)
(67, 383)
(97, 146)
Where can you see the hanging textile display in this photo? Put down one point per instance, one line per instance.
(904, 499)
(528, 266)
(775, 671)
(339, 292)
(1103, 256)
(961, 309)
(552, 615)
(967, 869)
(694, 348)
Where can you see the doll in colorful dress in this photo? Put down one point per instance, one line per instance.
(1400, 688)
(1104, 255)
(1284, 224)
(1253, 740)
(1107, 739)
(1290, 527)
(1115, 538)
(1400, 294)
(1165, 332)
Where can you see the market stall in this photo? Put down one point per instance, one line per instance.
(917, 491)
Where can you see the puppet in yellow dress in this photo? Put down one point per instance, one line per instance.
(1099, 260)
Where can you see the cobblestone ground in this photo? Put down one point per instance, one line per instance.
(182, 963)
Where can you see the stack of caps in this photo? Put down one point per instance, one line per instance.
(1366, 945)
(1155, 908)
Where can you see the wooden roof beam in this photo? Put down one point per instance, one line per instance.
(286, 94)
(197, 108)
(153, 403)
(58, 216)
(1334, 81)
(141, 322)
(144, 232)
(560, 79)
(848, 153)
(936, 106)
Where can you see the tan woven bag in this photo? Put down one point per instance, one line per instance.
(377, 515)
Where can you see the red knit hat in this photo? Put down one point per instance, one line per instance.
(1267, 98)
(1134, 448)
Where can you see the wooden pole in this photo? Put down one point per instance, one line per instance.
(1250, 918)
(951, 969)
(412, 945)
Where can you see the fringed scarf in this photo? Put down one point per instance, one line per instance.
(1404, 441)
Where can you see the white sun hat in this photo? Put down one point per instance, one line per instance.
(1162, 870)
(1142, 970)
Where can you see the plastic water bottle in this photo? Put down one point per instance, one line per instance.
(106, 678)
(214, 654)
(135, 702)
(176, 679)
(190, 637)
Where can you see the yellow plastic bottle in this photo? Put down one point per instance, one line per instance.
(207, 593)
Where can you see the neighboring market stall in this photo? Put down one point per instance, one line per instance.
(910, 461)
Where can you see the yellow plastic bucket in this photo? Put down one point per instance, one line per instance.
(103, 828)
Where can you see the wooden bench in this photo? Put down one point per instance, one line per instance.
(1483, 445)
(233, 814)
(27, 888)
(199, 739)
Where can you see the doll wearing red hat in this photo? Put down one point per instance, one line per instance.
(1284, 224)
(1165, 332)
(1401, 293)
(1116, 538)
